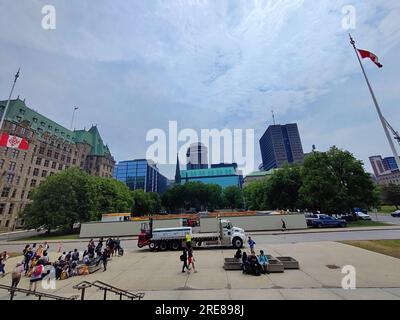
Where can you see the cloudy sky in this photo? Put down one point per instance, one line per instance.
(131, 66)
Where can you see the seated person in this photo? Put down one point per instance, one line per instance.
(245, 263)
(238, 254)
(254, 265)
(263, 261)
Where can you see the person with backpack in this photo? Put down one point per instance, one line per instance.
(251, 243)
(104, 258)
(184, 259)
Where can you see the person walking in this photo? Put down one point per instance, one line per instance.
(16, 275)
(283, 225)
(36, 276)
(104, 258)
(251, 243)
(184, 259)
(2, 266)
(191, 260)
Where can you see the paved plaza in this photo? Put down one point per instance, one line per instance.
(158, 274)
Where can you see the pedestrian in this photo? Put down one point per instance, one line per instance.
(27, 259)
(46, 247)
(16, 275)
(191, 260)
(104, 258)
(283, 225)
(184, 259)
(2, 266)
(188, 239)
(36, 276)
(251, 243)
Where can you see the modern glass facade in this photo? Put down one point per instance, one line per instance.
(141, 174)
(222, 176)
(281, 144)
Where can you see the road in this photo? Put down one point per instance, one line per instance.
(384, 218)
(131, 245)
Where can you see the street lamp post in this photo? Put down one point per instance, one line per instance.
(3, 116)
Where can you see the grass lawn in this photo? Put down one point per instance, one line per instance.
(387, 209)
(50, 237)
(362, 223)
(388, 247)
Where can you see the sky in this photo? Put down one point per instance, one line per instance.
(132, 66)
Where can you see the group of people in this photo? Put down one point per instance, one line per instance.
(36, 263)
(252, 263)
(187, 256)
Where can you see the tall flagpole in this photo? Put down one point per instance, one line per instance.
(378, 109)
(3, 116)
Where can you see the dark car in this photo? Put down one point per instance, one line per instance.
(396, 214)
(325, 221)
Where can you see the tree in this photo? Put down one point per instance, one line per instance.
(282, 188)
(335, 182)
(233, 197)
(390, 195)
(174, 198)
(110, 195)
(60, 201)
(146, 203)
(255, 194)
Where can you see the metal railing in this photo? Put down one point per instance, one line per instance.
(38, 294)
(82, 286)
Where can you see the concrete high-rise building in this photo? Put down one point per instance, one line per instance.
(197, 157)
(385, 170)
(52, 148)
(281, 144)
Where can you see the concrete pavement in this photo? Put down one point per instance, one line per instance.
(158, 274)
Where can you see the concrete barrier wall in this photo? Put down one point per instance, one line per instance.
(257, 223)
(122, 229)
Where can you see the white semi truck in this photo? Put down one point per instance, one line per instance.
(174, 238)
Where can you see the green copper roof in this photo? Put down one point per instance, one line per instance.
(261, 173)
(19, 112)
(208, 172)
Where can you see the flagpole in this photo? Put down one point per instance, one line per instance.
(378, 109)
(3, 116)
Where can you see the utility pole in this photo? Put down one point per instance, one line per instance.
(73, 117)
(3, 116)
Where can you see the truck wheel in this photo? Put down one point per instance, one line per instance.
(163, 245)
(175, 245)
(152, 246)
(237, 243)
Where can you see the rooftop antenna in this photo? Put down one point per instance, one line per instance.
(273, 116)
(73, 117)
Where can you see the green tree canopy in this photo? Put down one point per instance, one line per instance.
(390, 195)
(233, 197)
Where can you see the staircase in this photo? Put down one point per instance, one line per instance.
(37, 294)
(82, 286)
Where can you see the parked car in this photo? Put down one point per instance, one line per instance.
(363, 216)
(325, 221)
(396, 214)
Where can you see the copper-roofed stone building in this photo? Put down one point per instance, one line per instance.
(52, 148)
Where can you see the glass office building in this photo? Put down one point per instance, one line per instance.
(281, 144)
(141, 174)
(224, 176)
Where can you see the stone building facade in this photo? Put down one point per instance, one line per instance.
(52, 148)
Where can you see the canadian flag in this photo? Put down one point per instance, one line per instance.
(366, 54)
(13, 142)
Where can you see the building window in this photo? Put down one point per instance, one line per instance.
(1, 163)
(2, 208)
(17, 180)
(43, 124)
(68, 159)
(21, 111)
(15, 153)
(24, 156)
(5, 193)
(14, 193)
(10, 178)
(53, 165)
(49, 153)
(21, 167)
(39, 161)
(46, 163)
(18, 119)
(35, 120)
(33, 183)
(11, 166)
(35, 172)
(41, 150)
(62, 157)
(44, 174)
(74, 161)
(22, 194)
(10, 208)
(56, 155)
(60, 166)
